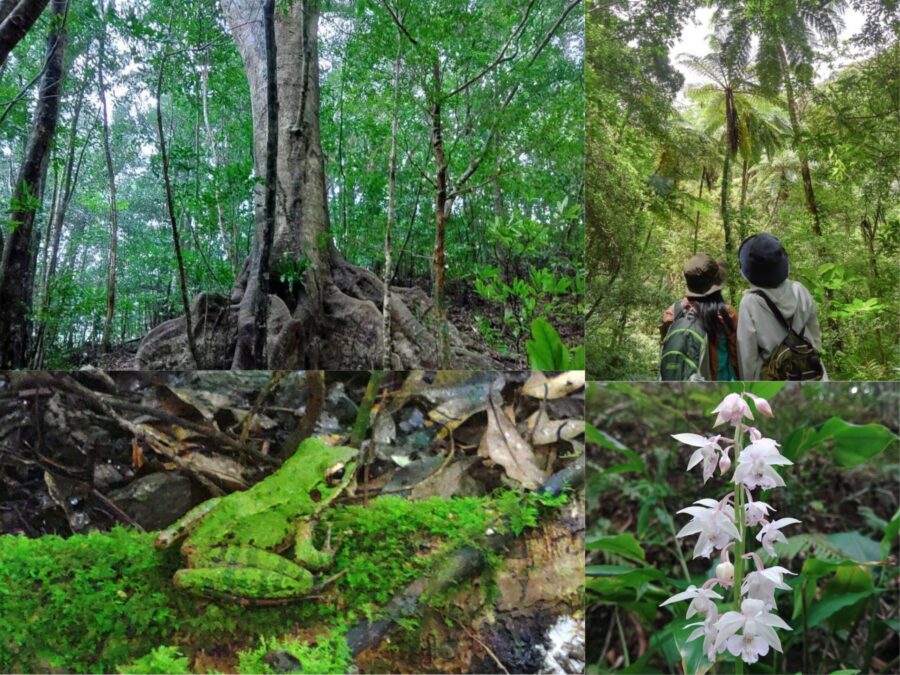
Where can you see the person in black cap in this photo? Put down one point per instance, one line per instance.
(765, 264)
(704, 279)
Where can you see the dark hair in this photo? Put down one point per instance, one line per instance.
(713, 314)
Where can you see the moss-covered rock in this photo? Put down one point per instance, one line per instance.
(99, 601)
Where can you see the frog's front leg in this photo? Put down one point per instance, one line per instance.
(243, 573)
(306, 554)
(181, 527)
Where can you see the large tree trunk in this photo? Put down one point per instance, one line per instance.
(323, 312)
(16, 19)
(16, 271)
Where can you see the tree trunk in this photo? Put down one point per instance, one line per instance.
(113, 210)
(725, 209)
(254, 309)
(16, 19)
(170, 209)
(441, 210)
(54, 227)
(811, 203)
(697, 215)
(16, 273)
(391, 209)
(745, 183)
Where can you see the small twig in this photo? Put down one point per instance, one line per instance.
(111, 504)
(490, 652)
(267, 389)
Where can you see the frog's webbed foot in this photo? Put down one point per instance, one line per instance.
(250, 575)
(306, 554)
(185, 524)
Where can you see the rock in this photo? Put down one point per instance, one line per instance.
(106, 475)
(282, 662)
(155, 501)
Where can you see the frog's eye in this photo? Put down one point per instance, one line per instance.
(335, 474)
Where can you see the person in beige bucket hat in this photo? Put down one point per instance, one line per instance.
(702, 312)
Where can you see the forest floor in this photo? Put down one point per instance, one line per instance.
(464, 308)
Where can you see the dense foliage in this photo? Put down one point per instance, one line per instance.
(842, 439)
(514, 238)
(807, 147)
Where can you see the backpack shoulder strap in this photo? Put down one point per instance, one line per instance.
(679, 310)
(774, 309)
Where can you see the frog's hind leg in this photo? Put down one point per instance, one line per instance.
(181, 527)
(247, 574)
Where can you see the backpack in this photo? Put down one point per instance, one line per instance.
(794, 358)
(684, 353)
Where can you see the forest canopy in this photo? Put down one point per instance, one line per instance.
(152, 190)
(785, 121)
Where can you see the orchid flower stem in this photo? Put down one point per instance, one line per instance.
(740, 523)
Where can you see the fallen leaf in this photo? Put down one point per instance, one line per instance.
(543, 430)
(540, 386)
(505, 446)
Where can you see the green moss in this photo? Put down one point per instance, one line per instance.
(90, 603)
(160, 660)
(327, 655)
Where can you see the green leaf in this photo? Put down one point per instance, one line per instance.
(856, 546)
(546, 350)
(826, 608)
(594, 435)
(624, 545)
(855, 443)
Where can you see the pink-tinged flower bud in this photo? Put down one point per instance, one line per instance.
(724, 463)
(762, 405)
(755, 434)
(725, 571)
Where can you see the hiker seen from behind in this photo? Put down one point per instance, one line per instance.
(699, 332)
(778, 330)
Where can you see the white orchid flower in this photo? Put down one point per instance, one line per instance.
(770, 533)
(757, 634)
(708, 631)
(757, 512)
(701, 600)
(708, 452)
(761, 584)
(714, 522)
(732, 409)
(755, 465)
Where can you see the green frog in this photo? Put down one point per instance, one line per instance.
(233, 544)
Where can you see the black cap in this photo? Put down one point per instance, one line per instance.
(764, 262)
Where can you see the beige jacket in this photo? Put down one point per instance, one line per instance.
(759, 332)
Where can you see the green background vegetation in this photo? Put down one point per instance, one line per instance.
(842, 438)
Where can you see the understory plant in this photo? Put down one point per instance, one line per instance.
(745, 625)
